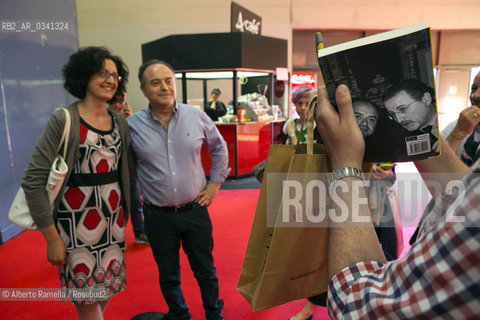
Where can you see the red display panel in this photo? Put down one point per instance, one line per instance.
(247, 143)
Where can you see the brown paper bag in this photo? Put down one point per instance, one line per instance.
(284, 263)
(288, 261)
(281, 263)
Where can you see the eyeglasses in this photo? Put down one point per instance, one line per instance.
(400, 109)
(105, 75)
(371, 120)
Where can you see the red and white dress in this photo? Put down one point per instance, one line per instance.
(90, 219)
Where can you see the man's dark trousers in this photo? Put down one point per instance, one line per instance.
(192, 228)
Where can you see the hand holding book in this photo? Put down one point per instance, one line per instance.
(339, 131)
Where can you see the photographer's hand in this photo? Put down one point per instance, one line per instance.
(339, 130)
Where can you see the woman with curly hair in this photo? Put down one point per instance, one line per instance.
(85, 227)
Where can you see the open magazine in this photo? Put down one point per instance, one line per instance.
(390, 77)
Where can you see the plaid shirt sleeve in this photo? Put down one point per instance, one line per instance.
(439, 278)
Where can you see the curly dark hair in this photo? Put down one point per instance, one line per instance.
(86, 62)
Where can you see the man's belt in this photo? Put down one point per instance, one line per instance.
(177, 209)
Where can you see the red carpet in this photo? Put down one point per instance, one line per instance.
(24, 266)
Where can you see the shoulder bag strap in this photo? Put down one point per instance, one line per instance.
(66, 133)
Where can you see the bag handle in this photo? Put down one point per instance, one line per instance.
(65, 134)
(312, 104)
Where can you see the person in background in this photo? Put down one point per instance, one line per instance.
(291, 129)
(300, 98)
(166, 140)
(411, 103)
(440, 274)
(214, 107)
(85, 235)
(463, 135)
(122, 106)
(136, 212)
(382, 178)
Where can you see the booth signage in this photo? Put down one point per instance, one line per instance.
(302, 78)
(243, 20)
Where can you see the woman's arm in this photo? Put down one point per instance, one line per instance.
(38, 169)
(35, 180)
(56, 251)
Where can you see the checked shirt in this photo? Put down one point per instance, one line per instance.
(439, 278)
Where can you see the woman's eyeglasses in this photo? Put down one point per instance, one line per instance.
(105, 75)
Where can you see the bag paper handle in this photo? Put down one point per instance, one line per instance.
(65, 134)
(312, 104)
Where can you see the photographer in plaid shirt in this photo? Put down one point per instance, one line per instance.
(439, 278)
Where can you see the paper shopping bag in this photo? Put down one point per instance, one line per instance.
(285, 262)
(286, 256)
